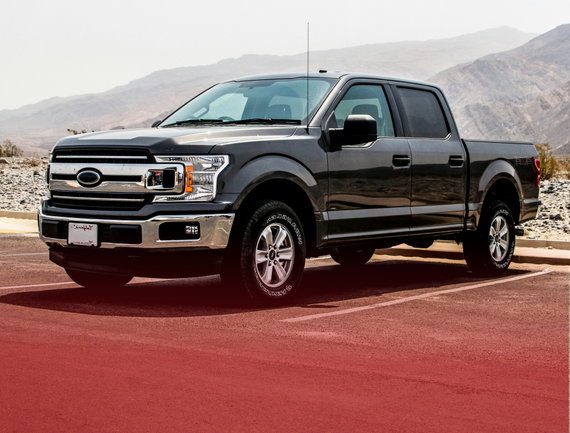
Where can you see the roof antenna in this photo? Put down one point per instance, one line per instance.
(307, 78)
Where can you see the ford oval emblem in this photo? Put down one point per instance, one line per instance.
(89, 178)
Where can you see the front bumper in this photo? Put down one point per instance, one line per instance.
(214, 230)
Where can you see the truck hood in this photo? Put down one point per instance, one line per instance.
(178, 140)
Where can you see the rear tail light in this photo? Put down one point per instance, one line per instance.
(536, 163)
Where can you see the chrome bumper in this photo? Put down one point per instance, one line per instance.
(214, 230)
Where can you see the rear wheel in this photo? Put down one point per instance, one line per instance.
(266, 259)
(95, 280)
(489, 251)
(352, 256)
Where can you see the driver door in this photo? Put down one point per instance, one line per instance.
(369, 183)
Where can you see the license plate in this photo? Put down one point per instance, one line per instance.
(82, 234)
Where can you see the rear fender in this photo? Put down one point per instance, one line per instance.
(495, 172)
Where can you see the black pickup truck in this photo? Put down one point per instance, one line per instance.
(254, 175)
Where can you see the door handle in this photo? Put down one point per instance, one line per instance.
(401, 160)
(456, 161)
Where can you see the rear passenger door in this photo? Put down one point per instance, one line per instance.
(439, 161)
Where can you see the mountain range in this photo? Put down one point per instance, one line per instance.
(501, 83)
(520, 94)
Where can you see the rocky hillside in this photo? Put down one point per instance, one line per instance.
(142, 101)
(522, 94)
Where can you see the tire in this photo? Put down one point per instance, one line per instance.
(489, 251)
(94, 280)
(266, 255)
(352, 256)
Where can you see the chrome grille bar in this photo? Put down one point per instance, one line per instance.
(100, 157)
(69, 197)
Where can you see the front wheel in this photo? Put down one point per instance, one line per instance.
(489, 251)
(94, 280)
(267, 258)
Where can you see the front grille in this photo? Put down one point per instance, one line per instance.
(99, 201)
(104, 178)
(102, 156)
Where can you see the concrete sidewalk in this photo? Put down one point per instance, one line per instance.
(527, 251)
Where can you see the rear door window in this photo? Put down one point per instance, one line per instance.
(425, 117)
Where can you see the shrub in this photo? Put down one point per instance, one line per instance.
(76, 132)
(548, 164)
(564, 167)
(10, 149)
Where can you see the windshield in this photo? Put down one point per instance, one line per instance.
(261, 102)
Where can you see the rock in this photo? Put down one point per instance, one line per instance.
(20, 189)
(553, 219)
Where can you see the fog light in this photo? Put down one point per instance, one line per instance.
(174, 231)
(192, 230)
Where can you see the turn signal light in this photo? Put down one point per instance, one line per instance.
(188, 187)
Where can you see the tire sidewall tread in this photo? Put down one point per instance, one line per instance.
(242, 261)
(476, 246)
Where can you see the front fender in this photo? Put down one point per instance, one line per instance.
(275, 167)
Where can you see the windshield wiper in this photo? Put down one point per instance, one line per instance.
(194, 122)
(263, 121)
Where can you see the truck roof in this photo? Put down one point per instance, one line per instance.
(325, 74)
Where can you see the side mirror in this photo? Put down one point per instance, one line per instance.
(358, 129)
(156, 123)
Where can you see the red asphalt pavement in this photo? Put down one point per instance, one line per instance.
(184, 355)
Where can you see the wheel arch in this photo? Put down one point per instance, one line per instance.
(501, 182)
(504, 190)
(287, 191)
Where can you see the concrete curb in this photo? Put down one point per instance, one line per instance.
(533, 243)
(18, 215)
(444, 250)
(538, 243)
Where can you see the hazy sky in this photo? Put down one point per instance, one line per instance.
(69, 47)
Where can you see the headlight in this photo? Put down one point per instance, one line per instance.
(200, 178)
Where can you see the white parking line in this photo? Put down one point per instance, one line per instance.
(413, 298)
(23, 254)
(36, 285)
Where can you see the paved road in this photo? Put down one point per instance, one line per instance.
(399, 346)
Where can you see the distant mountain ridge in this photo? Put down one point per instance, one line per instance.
(141, 101)
(521, 94)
